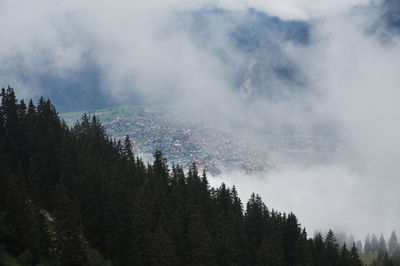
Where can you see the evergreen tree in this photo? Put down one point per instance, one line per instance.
(359, 246)
(331, 249)
(303, 250)
(318, 250)
(344, 256)
(142, 228)
(127, 150)
(393, 244)
(271, 251)
(291, 237)
(374, 244)
(69, 244)
(23, 215)
(199, 243)
(367, 245)
(382, 244)
(255, 220)
(12, 130)
(163, 249)
(386, 260)
(395, 258)
(95, 198)
(354, 258)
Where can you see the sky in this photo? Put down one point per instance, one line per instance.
(109, 52)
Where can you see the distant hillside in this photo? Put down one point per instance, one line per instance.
(210, 147)
(254, 35)
(73, 196)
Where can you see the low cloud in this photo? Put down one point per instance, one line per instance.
(296, 9)
(161, 51)
(323, 197)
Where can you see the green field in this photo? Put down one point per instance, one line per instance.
(107, 114)
(140, 140)
(7, 259)
(368, 258)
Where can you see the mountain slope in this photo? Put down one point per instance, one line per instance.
(100, 196)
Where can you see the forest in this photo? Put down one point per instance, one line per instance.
(73, 196)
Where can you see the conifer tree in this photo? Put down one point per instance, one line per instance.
(96, 195)
(354, 258)
(270, 251)
(374, 244)
(359, 246)
(199, 243)
(303, 255)
(386, 261)
(367, 245)
(163, 250)
(331, 249)
(382, 244)
(128, 147)
(69, 244)
(318, 250)
(393, 244)
(142, 225)
(255, 221)
(395, 257)
(23, 215)
(12, 137)
(291, 237)
(344, 256)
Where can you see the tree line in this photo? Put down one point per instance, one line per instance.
(73, 196)
(387, 252)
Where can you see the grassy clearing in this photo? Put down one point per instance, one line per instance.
(140, 140)
(107, 114)
(7, 259)
(368, 258)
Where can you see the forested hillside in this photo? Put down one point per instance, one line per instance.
(72, 196)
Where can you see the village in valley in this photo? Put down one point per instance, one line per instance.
(211, 148)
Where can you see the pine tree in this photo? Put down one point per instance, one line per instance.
(331, 249)
(396, 257)
(69, 244)
(344, 256)
(102, 198)
(142, 225)
(163, 249)
(367, 245)
(199, 243)
(12, 130)
(386, 260)
(359, 246)
(127, 149)
(354, 258)
(160, 168)
(2, 120)
(374, 244)
(23, 215)
(382, 244)
(393, 244)
(318, 250)
(303, 250)
(271, 251)
(291, 236)
(255, 221)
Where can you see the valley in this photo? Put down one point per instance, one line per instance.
(212, 148)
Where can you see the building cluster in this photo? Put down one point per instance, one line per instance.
(212, 149)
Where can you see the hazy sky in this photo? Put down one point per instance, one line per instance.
(148, 48)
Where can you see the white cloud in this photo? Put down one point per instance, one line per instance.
(322, 197)
(295, 9)
(138, 45)
(356, 75)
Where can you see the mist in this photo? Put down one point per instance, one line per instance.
(345, 88)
